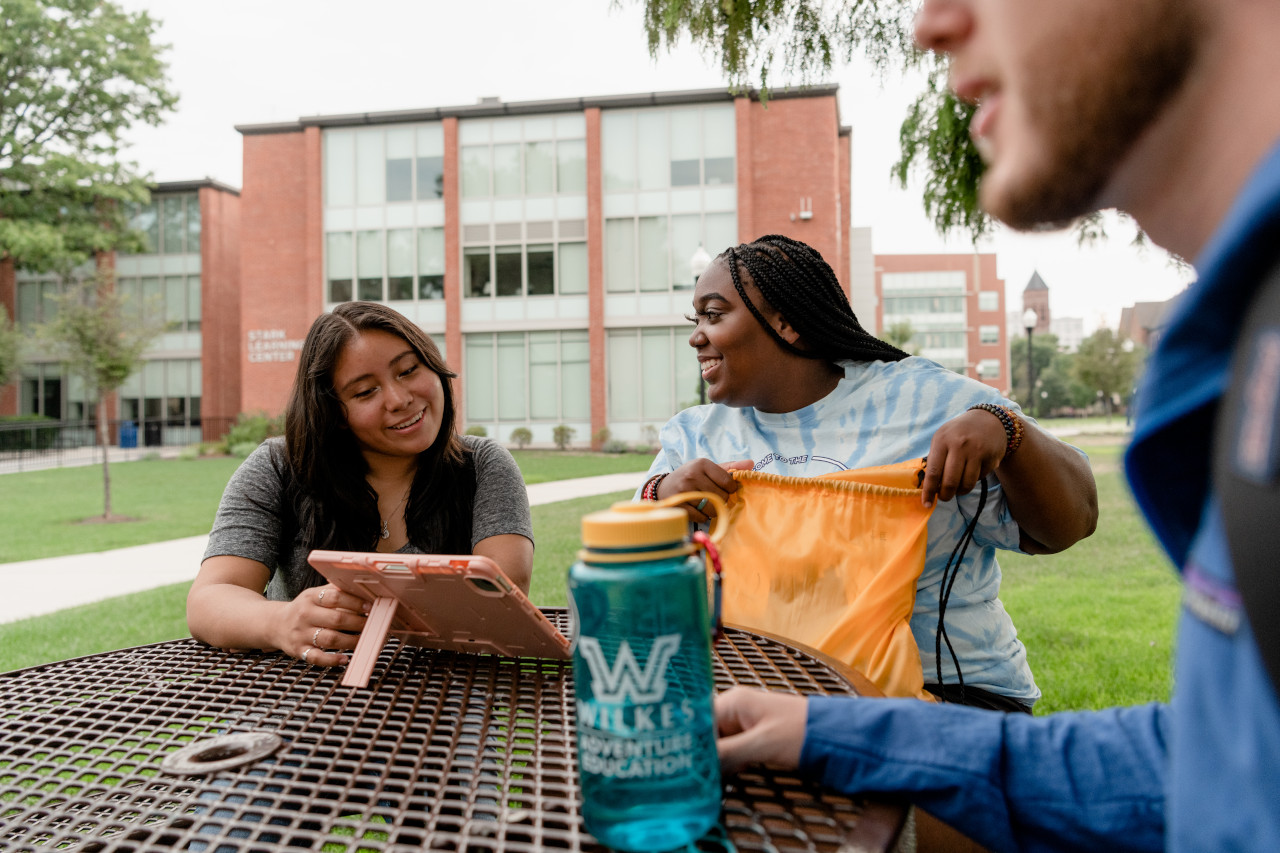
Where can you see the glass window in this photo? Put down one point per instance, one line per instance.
(174, 225)
(989, 368)
(512, 383)
(506, 170)
(988, 300)
(400, 265)
(542, 270)
(506, 269)
(175, 303)
(147, 220)
(721, 231)
(539, 160)
(478, 376)
(575, 376)
(431, 263)
(430, 153)
(686, 148)
(651, 135)
(430, 177)
(370, 167)
(152, 299)
(571, 166)
(193, 223)
(719, 143)
(623, 362)
(989, 334)
(686, 236)
(573, 268)
(369, 265)
(399, 177)
(339, 168)
(618, 150)
(655, 375)
(475, 272)
(653, 253)
(475, 170)
(341, 263)
(193, 303)
(28, 302)
(619, 255)
(544, 375)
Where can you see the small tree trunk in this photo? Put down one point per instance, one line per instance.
(106, 469)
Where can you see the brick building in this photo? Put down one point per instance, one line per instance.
(189, 278)
(545, 245)
(956, 307)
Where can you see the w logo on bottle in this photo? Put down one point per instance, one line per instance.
(625, 678)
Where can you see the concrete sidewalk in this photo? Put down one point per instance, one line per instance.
(36, 587)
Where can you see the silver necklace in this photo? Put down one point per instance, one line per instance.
(386, 533)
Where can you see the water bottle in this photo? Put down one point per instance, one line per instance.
(643, 682)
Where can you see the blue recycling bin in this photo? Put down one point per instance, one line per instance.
(128, 434)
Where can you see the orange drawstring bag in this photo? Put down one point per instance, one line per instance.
(832, 562)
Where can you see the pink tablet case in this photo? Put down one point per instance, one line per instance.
(460, 603)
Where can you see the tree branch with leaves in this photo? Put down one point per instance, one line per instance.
(75, 76)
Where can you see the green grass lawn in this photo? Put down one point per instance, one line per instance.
(1097, 619)
(50, 513)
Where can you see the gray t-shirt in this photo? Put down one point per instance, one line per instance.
(248, 523)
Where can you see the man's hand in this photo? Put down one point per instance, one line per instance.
(757, 727)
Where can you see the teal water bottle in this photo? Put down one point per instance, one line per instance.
(643, 682)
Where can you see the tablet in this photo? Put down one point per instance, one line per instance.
(461, 603)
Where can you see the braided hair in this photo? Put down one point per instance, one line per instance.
(800, 285)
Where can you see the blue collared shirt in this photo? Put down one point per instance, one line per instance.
(1203, 775)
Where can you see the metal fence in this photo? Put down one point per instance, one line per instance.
(36, 445)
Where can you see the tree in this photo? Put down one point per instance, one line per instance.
(802, 40)
(1108, 363)
(10, 348)
(1044, 351)
(900, 334)
(102, 338)
(75, 75)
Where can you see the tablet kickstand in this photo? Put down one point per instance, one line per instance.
(372, 639)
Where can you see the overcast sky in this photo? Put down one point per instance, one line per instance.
(241, 62)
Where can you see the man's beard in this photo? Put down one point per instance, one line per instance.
(1092, 108)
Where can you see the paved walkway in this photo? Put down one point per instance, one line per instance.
(36, 587)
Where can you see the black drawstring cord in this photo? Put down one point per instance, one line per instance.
(949, 574)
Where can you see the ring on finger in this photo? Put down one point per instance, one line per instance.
(309, 650)
(315, 638)
(320, 600)
(702, 503)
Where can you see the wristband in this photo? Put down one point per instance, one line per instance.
(650, 490)
(1013, 426)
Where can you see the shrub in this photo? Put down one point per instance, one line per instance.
(562, 435)
(602, 437)
(477, 430)
(648, 439)
(520, 437)
(251, 429)
(615, 446)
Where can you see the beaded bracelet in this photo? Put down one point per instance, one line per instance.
(1013, 426)
(650, 490)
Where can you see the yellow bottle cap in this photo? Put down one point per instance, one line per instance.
(634, 525)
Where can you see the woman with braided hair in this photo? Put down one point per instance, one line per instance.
(799, 388)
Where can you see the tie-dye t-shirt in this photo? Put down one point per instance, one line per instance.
(881, 413)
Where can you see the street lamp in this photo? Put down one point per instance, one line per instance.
(1029, 318)
(698, 264)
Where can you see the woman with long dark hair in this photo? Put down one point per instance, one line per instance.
(799, 388)
(370, 460)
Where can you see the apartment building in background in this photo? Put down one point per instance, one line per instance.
(955, 305)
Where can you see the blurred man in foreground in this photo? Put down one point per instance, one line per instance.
(1170, 111)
